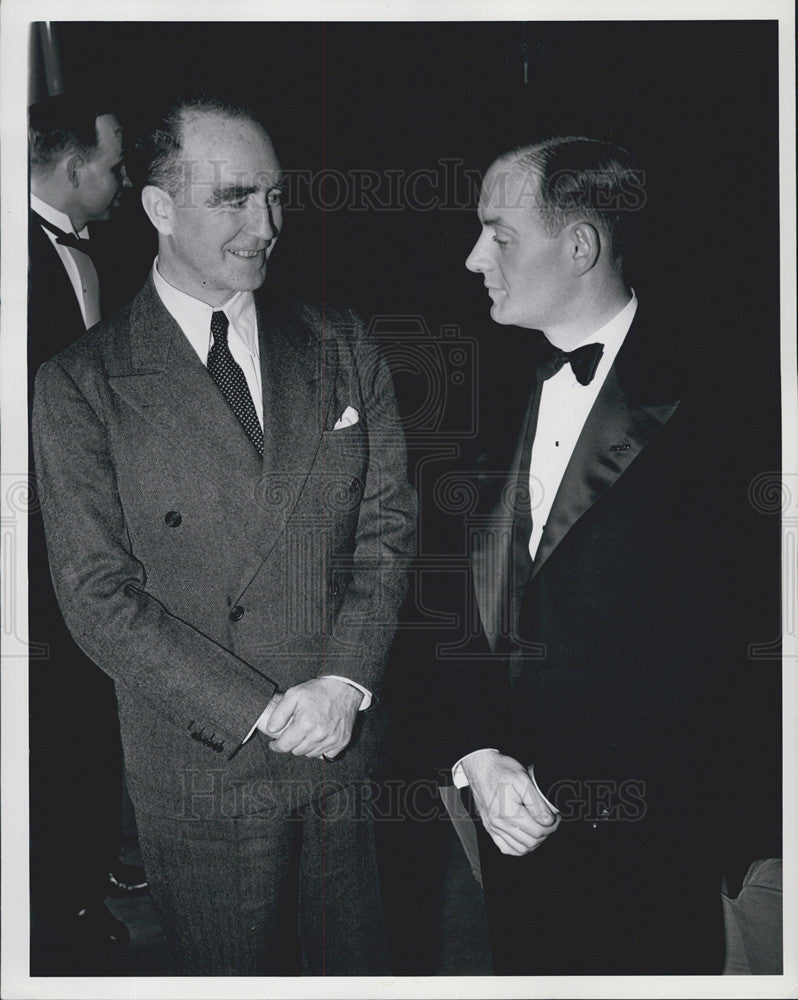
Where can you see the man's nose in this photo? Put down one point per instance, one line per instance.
(476, 260)
(261, 222)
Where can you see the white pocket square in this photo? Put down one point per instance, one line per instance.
(348, 417)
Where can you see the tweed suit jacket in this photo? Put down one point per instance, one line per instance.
(203, 579)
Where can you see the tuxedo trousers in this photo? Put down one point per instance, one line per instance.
(282, 893)
(605, 898)
(75, 762)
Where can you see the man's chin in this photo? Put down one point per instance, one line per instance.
(251, 283)
(499, 315)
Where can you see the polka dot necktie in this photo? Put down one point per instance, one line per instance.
(227, 374)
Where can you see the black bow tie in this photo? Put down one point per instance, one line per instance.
(584, 361)
(66, 239)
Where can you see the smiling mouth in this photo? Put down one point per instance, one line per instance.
(246, 254)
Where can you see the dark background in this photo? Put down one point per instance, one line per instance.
(696, 103)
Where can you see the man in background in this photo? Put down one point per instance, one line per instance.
(77, 175)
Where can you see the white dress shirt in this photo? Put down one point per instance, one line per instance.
(564, 407)
(194, 319)
(79, 266)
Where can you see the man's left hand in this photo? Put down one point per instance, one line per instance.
(316, 717)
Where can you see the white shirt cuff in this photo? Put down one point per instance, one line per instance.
(364, 704)
(461, 781)
(249, 734)
(367, 696)
(458, 774)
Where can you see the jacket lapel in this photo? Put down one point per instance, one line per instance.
(634, 404)
(491, 544)
(298, 369)
(613, 436)
(160, 375)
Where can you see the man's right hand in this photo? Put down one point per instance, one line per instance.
(511, 809)
(263, 721)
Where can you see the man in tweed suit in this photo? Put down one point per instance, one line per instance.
(228, 521)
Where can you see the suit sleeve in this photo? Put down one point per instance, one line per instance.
(475, 708)
(102, 588)
(366, 623)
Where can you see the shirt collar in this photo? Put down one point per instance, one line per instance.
(612, 335)
(614, 331)
(194, 316)
(52, 215)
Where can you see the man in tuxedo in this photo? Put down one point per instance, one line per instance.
(77, 175)
(589, 703)
(228, 520)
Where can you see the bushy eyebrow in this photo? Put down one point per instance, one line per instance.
(230, 192)
(238, 192)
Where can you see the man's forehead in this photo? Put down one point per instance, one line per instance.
(507, 189)
(109, 134)
(230, 150)
(214, 129)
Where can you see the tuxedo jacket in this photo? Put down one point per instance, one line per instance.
(54, 316)
(203, 578)
(54, 322)
(606, 662)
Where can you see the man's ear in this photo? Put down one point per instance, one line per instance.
(73, 165)
(584, 247)
(160, 207)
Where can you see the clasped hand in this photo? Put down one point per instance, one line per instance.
(511, 808)
(312, 718)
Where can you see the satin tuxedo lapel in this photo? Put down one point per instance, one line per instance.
(612, 438)
(54, 317)
(634, 404)
(492, 545)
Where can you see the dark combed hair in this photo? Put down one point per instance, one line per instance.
(156, 157)
(66, 123)
(585, 179)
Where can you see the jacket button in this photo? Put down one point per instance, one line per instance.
(173, 519)
(237, 613)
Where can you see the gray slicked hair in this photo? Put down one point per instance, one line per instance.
(157, 154)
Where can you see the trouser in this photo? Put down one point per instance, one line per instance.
(75, 784)
(275, 895)
(608, 898)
